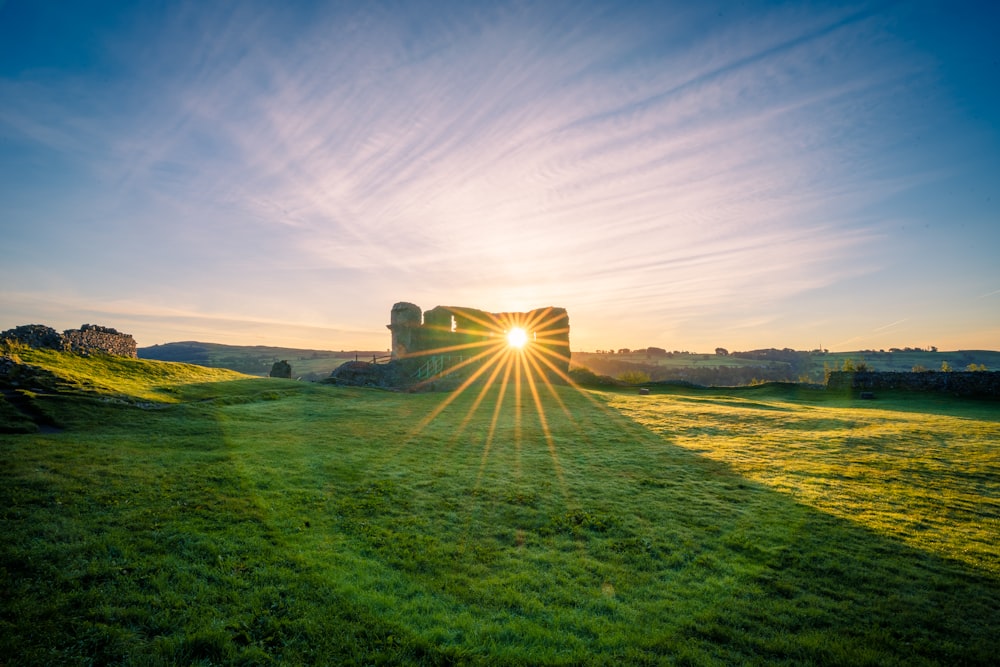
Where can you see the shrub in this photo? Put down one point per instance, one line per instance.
(584, 376)
(634, 377)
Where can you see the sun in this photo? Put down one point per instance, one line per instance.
(517, 338)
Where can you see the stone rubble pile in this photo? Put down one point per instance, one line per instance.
(88, 338)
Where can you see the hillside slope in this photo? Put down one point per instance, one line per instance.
(47, 389)
(255, 359)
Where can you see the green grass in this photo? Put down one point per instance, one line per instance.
(102, 376)
(927, 478)
(256, 359)
(203, 519)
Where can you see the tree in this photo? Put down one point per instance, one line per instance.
(722, 352)
(945, 367)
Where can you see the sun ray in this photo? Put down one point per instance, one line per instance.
(518, 425)
(495, 419)
(547, 433)
(485, 354)
(454, 395)
(486, 388)
(451, 348)
(509, 357)
(534, 361)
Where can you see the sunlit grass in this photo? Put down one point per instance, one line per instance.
(526, 523)
(110, 376)
(931, 480)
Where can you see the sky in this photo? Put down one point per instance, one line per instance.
(674, 174)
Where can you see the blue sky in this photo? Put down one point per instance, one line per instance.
(685, 175)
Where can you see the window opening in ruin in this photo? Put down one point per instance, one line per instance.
(454, 324)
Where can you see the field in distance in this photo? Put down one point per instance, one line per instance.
(174, 514)
(709, 369)
(257, 359)
(786, 365)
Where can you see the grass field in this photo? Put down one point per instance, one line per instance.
(192, 516)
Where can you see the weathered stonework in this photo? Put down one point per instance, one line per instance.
(37, 336)
(88, 338)
(93, 338)
(958, 383)
(457, 331)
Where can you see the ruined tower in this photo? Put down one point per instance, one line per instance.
(458, 330)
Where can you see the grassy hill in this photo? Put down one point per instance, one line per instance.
(256, 359)
(183, 515)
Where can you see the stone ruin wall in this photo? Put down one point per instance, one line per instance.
(445, 328)
(88, 338)
(958, 383)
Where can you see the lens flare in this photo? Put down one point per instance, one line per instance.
(511, 362)
(517, 338)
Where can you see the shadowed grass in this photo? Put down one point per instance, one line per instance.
(262, 521)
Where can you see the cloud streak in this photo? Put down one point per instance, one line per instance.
(606, 160)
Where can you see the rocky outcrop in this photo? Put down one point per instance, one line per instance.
(15, 373)
(367, 374)
(957, 383)
(88, 338)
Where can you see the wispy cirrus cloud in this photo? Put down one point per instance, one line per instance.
(598, 158)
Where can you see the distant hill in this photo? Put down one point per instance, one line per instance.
(729, 369)
(256, 359)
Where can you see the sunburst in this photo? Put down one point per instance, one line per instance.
(515, 360)
(513, 369)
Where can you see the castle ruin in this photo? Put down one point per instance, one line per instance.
(460, 331)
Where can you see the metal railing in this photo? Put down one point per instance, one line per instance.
(436, 365)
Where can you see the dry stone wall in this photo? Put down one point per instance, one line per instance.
(88, 338)
(958, 383)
